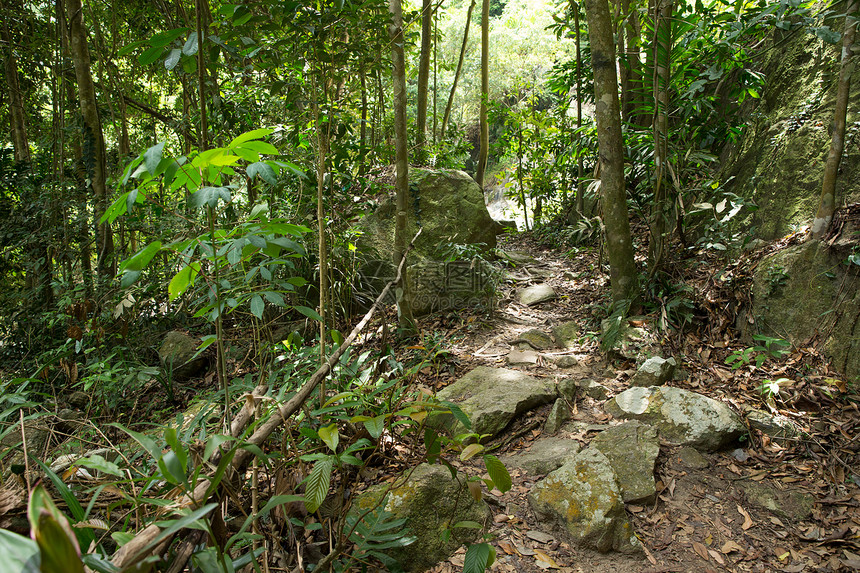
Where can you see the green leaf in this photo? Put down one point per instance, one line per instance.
(172, 58)
(498, 473)
(163, 38)
(257, 306)
(139, 261)
(459, 414)
(375, 426)
(98, 463)
(208, 196)
(264, 171)
(249, 135)
(308, 312)
(317, 484)
(261, 147)
(478, 558)
(152, 157)
(330, 436)
(190, 47)
(53, 534)
(128, 48)
(183, 279)
(150, 55)
(259, 208)
(471, 451)
(20, 554)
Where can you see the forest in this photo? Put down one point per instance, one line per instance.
(440, 285)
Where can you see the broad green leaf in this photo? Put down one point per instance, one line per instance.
(152, 157)
(308, 312)
(259, 208)
(498, 472)
(139, 261)
(150, 55)
(471, 451)
(128, 48)
(163, 38)
(249, 135)
(275, 298)
(117, 208)
(53, 534)
(257, 306)
(264, 171)
(317, 484)
(20, 554)
(330, 436)
(459, 414)
(172, 58)
(222, 160)
(208, 196)
(479, 557)
(375, 426)
(288, 229)
(98, 463)
(261, 147)
(183, 279)
(190, 47)
(148, 443)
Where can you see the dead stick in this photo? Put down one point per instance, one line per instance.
(130, 552)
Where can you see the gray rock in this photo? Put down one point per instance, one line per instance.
(430, 501)
(582, 500)
(567, 388)
(792, 504)
(777, 426)
(631, 340)
(632, 449)
(593, 390)
(681, 417)
(566, 334)
(492, 397)
(79, 400)
(544, 456)
(655, 371)
(517, 357)
(536, 339)
(691, 458)
(177, 356)
(558, 415)
(536, 294)
(566, 361)
(517, 258)
(69, 420)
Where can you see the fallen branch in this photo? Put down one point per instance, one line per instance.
(133, 551)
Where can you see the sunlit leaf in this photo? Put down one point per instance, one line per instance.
(330, 436)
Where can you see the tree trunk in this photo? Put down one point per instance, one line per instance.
(485, 92)
(662, 67)
(619, 246)
(395, 30)
(17, 117)
(362, 145)
(93, 136)
(201, 75)
(447, 115)
(827, 205)
(632, 63)
(423, 77)
(580, 198)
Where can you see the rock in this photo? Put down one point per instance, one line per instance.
(37, 440)
(592, 389)
(566, 334)
(449, 206)
(567, 388)
(558, 415)
(777, 426)
(566, 361)
(535, 339)
(79, 400)
(681, 417)
(518, 357)
(430, 501)
(544, 456)
(516, 258)
(177, 356)
(69, 420)
(793, 504)
(631, 340)
(582, 500)
(691, 458)
(655, 371)
(632, 449)
(492, 397)
(536, 294)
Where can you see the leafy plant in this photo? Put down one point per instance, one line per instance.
(768, 347)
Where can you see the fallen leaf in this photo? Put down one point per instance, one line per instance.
(748, 522)
(730, 547)
(508, 547)
(540, 536)
(701, 550)
(544, 561)
(523, 550)
(717, 557)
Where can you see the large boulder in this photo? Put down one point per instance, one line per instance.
(681, 417)
(493, 397)
(179, 358)
(632, 449)
(582, 500)
(449, 207)
(430, 501)
(806, 290)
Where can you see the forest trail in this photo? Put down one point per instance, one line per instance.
(758, 506)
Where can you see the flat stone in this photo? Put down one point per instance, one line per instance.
(681, 417)
(566, 361)
(516, 257)
(692, 458)
(581, 499)
(558, 415)
(536, 294)
(517, 357)
(566, 334)
(777, 426)
(493, 397)
(544, 456)
(792, 504)
(632, 449)
(536, 339)
(592, 389)
(655, 371)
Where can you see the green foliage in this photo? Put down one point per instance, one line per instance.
(768, 347)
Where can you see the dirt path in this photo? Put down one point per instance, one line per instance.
(746, 509)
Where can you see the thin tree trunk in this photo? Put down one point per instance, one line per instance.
(423, 77)
(485, 92)
(362, 145)
(662, 66)
(201, 75)
(395, 30)
(446, 116)
(634, 66)
(17, 117)
(619, 246)
(827, 205)
(580, 193)
(93, 136)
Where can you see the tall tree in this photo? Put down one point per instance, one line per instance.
(94, 142)
(17, 117)
(660, 127)
(395, 31)
(827, 204)
(485, 92)
(424, 75)
(619, 246)
(447, 113)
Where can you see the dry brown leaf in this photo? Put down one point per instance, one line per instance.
(508, 547)
(701, 550)
(731, 547)
(748, 522)
(544, 561)
(717, 557)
